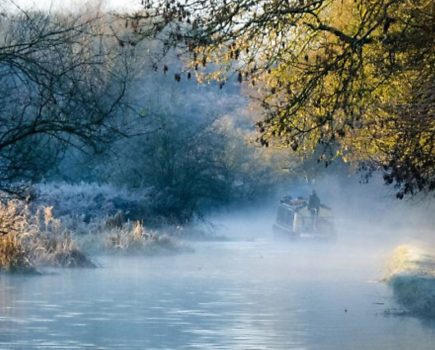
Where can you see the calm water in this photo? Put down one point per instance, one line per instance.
(232, 295)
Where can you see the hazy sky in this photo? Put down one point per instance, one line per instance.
(63, 5)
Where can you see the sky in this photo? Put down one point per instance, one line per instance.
(68, 5)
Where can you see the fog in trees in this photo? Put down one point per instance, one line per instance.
(216, 174)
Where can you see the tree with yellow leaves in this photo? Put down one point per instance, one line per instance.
(352, 78)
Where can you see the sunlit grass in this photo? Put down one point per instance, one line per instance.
(128, 238)
(35, 239)
(411, 274)
(30, 238)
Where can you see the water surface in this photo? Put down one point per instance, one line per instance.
(228, 295)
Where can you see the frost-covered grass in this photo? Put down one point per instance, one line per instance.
(129, 238)
(30, 239)
(64, 223)
(411, 274)
(33, 238)
(89, 201)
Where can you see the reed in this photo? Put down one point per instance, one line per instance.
(129, 238)
(29, 239)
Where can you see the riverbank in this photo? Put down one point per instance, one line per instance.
(411, 275)
(33, 237)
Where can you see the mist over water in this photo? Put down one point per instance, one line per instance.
(230, 295)
(363, 213)
(239, 288)
(244, 290)
(250, 292)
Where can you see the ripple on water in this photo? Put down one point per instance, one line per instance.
(223, 306)
(69, 315)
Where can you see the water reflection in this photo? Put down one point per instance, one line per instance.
(225, 296)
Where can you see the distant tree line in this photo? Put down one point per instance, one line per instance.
(106, 98)
(90, 97)
(192, 151)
